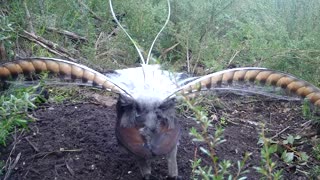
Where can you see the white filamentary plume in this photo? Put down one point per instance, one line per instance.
(118, 23)
(165, 24)
(144, 63)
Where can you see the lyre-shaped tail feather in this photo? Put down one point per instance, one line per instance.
(262, 76)
(60, 67)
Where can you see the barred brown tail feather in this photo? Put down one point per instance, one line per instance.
(58, 67)
(254, 75)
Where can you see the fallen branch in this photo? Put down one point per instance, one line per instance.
(50, 46)
(69, 34)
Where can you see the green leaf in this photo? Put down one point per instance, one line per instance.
(273, 148)
(304, 156)
(205, 151)
(297, 137)
(287, 156)
(290, 139)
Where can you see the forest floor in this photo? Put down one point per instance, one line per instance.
(77, 141)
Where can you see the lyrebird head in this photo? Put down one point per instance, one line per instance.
(145, 113)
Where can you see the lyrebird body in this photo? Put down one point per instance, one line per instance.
(146, 122)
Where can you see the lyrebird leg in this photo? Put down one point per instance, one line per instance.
(172, 164)
(145, 168)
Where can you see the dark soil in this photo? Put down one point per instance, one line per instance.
(77, 141)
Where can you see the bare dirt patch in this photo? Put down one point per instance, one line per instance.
(77, 141)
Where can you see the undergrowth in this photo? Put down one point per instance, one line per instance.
(276, 152)
(16, 102)
(217, 169)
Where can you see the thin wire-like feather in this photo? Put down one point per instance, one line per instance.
(165, 24)
(133, 42)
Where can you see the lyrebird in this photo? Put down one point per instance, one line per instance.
(146, 122)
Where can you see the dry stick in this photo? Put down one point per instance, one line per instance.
(55, 49)
(96, 44)
(12, 166)
(232, 58)
(69, 169)
(50, 46)
(69, 34)
(95, 16)
(9, 165)
(28, 17)
(282, 131)
(101, 35)
(113, 32)
(31, 144)
(44, 46)
(168, 49)
(197, 62)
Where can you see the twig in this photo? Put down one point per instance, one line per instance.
(113, 32)
(69, 150)
(307, 123)
(12, 166)
(232, 58)
(101, 38)
(44, 154)
(50, 46)
(304, 126)
(69, 34)
(282, 131)
(168, 49)
(70, 169)
(96, 44)
(95, 16)
(31, 144)
(9, 165)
